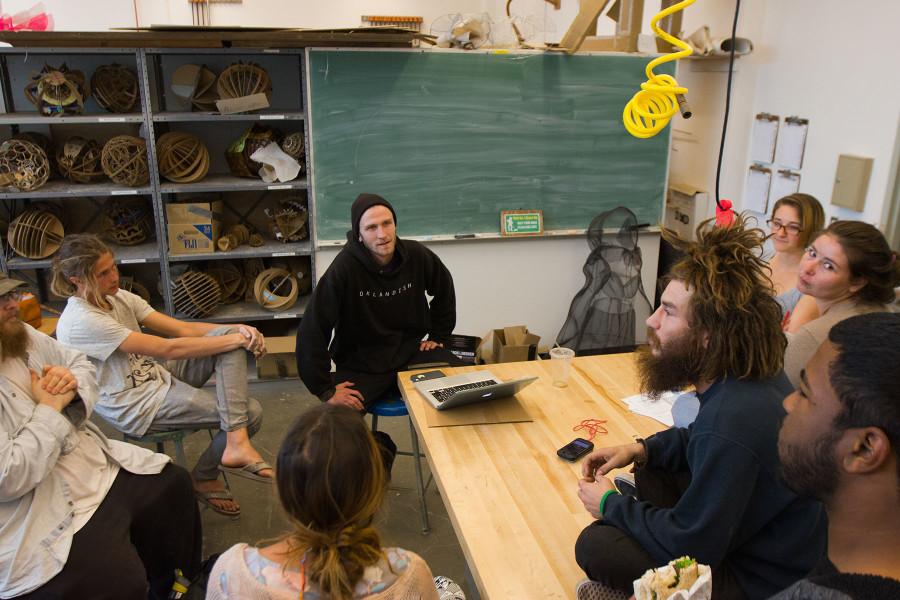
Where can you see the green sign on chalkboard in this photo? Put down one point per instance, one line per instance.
(521, 222)
(454, 138)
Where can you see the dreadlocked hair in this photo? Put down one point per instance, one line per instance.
(76, 257)
(733, 300)
(331, 480)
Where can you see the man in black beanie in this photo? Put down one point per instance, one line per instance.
(374, 299)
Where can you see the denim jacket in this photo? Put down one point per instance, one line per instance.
(35, 506)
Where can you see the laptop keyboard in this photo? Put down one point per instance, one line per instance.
(446, 393)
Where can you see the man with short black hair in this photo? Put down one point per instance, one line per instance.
(374, 299)
(840, 443)
(81, 516)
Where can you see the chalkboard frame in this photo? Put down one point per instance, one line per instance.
(331, 209)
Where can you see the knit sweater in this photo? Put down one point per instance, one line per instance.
(232, 579)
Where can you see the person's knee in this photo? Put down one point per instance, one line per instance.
(603, 552)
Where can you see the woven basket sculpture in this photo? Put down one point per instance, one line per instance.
(238, 153)
(195, 294)
(128, 223)
(124, 160)
(230, 279)
(182, 157)
(276, 289)
(35, 234)
(23, 165)
(130, 284)
(115, 88)
(79, 160)
(243, 79)
(58, 91)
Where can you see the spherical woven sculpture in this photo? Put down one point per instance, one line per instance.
(236, 236)
(115, 88)
(195, 294)
(130, 284)
(238, 154)
(79, 160)
(128, 223)
(35, 234)
(124, 160)
(243, 79)
(276, 289)
(182, 157)
(230, 279)
(58, 91)
(23, 165)
(293, 145)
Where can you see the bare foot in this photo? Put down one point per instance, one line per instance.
(214, 485)
(244, 454)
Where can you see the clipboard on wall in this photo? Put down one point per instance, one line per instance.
(784, 183)
(756, 194)
(765, 134)
(792, 143)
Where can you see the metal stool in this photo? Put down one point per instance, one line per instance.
(392, 405)
(176, 436)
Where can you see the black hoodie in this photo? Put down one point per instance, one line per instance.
(378, 314)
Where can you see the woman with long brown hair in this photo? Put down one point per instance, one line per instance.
(331, 482)
(848, 269)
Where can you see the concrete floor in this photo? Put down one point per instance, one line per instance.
(261, 518)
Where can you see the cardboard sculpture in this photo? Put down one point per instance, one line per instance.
(130, 284)
(196, 294)
(23, 165)
(58, 91)
(182, 157)
(124, 160)
(238, 154)
(243, 79)
(230, 279)
(289, 221)
(79, 160)
(115, 88)
(276, 289)
(35, 234)
(195, 84)
(128, 223)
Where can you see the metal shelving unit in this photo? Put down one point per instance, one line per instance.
(153, 67)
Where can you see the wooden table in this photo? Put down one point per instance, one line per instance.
(513, 503)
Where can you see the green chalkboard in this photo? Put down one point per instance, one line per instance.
(451, 139)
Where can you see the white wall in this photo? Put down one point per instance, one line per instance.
(521, 282)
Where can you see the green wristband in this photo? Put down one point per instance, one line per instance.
(606, 495)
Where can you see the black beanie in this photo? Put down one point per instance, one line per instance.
(363, 203)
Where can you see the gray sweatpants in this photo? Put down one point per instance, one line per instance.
(188, 406)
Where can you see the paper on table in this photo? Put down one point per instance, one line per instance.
(659, 409)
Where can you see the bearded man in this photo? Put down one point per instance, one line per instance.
(711, 491)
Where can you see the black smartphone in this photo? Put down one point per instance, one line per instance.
(575, 449)
(426, 376)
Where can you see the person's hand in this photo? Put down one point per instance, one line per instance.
(603, 460)
(591, 492)
(253, 340)
(58, 380)
(343, 394)
(426, 345)
(41, 395)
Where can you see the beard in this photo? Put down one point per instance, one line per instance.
(677, 366)
(810, 470)
(13, 339)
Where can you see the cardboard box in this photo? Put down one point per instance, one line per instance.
(193, 227)
(510, 344)
(280, 361)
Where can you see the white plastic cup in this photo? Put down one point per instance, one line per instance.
(560, 365)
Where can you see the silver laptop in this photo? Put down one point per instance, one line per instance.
(457, 390)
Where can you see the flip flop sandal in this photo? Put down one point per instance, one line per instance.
(250, 471)
(207, 497)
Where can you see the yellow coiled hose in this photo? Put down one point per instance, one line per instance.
(649, 110)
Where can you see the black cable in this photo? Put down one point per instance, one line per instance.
(737, 9)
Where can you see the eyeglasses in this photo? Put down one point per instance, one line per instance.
(776, 225)
(13, 296)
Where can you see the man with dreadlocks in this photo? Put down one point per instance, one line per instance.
(711, 491)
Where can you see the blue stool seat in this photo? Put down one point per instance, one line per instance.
(391, 405)
(176, 436)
